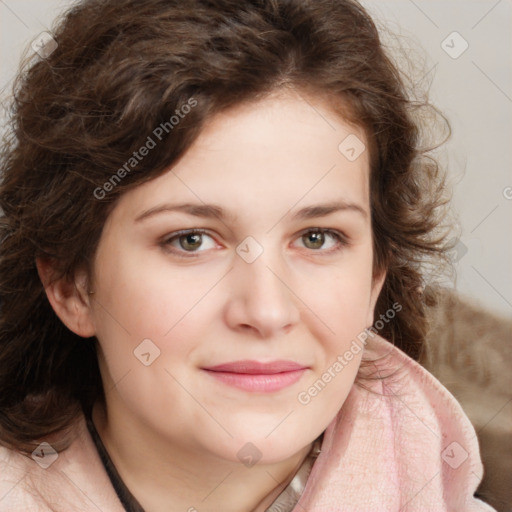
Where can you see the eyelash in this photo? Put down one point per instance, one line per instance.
(341, 239)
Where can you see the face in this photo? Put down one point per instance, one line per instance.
(248, 295)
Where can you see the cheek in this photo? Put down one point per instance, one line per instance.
(144, 299)
(137, 300)
(343, 302)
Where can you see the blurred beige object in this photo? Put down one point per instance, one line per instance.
(469, 350)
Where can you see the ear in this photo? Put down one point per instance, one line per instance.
(378, 283)
(68, 298)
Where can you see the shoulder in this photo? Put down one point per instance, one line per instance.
(432, 434)
(47, 481)
(16, 492)
(404, 432)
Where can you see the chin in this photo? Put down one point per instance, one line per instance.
(252, 445)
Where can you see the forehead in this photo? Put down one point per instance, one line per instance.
(279, 153)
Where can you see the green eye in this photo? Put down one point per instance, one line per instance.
(191, 241)
(315, 239)
(188, 241)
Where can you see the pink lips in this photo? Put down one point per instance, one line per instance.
(258, 377)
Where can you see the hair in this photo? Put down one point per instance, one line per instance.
(120, 70)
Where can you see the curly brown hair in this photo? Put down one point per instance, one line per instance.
(121, 69)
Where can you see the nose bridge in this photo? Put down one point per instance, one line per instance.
(261, 298)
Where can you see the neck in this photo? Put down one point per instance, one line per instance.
(166, 477)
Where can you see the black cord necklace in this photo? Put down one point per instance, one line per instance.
(283, 503)
(127, 499)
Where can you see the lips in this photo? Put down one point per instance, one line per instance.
(255, 367)
(255, 376)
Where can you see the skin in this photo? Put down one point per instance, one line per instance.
(171, 429)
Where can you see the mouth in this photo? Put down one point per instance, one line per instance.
(257, 377)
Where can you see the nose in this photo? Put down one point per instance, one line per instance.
(261, 300)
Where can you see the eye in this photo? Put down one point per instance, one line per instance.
(316, 239)
(188, 241)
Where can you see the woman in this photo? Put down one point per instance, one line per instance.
(214, 216)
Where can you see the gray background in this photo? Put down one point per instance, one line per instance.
(473, 90)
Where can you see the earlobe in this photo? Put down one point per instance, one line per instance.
(68, 298)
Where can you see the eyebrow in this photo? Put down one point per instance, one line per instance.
(215, 211)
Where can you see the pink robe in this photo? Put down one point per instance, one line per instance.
(412, 450)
